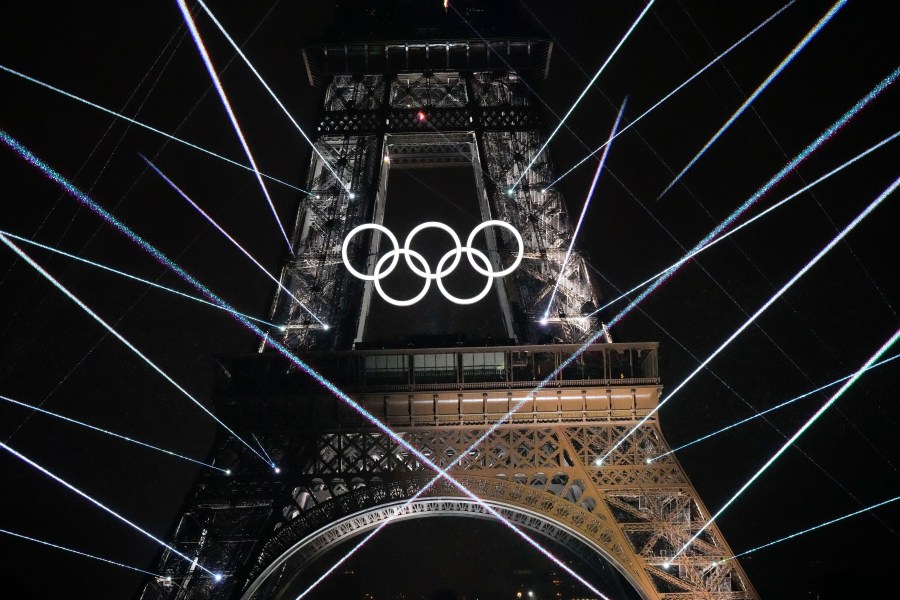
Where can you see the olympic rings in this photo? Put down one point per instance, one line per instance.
(412, 257)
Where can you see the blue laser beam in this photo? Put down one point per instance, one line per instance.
(100, 505)
(284, 109)
(884, 348)
(768, 410)
(784, 63)
(725, 235)
(587, 203)
(810, 529)
(673, 92)
(110, 433)
(201, 47)
(840, 236)
(118, 336)
(78, 552)
(142, 125)
(231, 239)
(584, 92)
(130, 276)
(85, 200)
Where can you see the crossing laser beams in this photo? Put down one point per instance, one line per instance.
(878, 353)
(784, 63)
(581, 95)
(143, 125)
(201, 47)
(119, 336)
(232, 240)
(768, 410)
(587, 203)
(810, 529)
(130, 276)
(840, 236)
(78, 552)
(780, 203)
(634, 122)
(110, 433)
(830, 131)
(84, 199)
(265, 85)
(100, 505)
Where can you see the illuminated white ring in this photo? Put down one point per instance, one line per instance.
(440, 282)
(383, 230)
(457, 252)
(519, 256)
(377, 275)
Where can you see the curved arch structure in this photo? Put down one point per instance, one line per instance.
(575, 529)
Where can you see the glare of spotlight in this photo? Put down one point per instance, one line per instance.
(666, 566)
(510, 191)
(217, 577)
(276, 469)
(352, 196)
(420, 116)
(228, 471)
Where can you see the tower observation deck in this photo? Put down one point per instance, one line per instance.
(424, 120)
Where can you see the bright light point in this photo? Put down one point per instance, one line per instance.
(169, 578)
(510, 191)
(326, 327)
(318, 197)
(543, 321)
(599, 462)
(352, 196)
(277, 470)
(217, 577)
(649, 460)
(666, 566)
(530, 594)
(228, 471)
(421, 116)
(282, 328)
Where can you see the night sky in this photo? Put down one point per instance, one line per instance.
(134, 57)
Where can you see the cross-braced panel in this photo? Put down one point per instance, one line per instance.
(438, 90)
(540, 216)
(318, 282)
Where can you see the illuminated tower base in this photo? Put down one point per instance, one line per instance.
(423, 104)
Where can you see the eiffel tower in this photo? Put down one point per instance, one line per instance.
(438, 98)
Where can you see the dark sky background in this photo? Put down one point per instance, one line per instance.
(133, 57)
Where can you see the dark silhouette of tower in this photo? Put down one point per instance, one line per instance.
(427, 115)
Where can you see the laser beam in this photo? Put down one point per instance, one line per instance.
(118, 336)
(768, 410)
(587, 202)
(809, 529)
(784, 63)
(85, 200)
(78, 552)
(840, 236)
(725, 235)
(583, 92)
(109, 433)
(284, 109)
(201, 47)
(143, 125)
(130, 276)
(263, 448)
(100, 505)
(232, 240)
(884, 348)
(672, 93)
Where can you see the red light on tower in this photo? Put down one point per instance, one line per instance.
(421, 116)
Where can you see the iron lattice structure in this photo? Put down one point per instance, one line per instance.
(341, 477)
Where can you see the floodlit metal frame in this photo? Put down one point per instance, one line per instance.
(540, 464)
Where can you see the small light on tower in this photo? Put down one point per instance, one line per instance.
(446, 4)
(421, 116)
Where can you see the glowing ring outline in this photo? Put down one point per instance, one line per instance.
(458, 252)
(408, 253)
(464, 301)
(516, 234)
(378, 276)
(364, 227)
